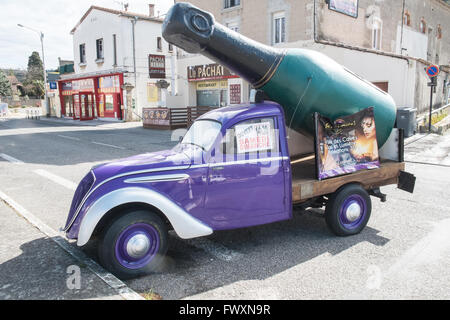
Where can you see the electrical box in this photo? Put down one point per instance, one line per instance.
(406, 120)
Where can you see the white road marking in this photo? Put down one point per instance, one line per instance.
(107, 145)
(57, 179)
(67, 137)
(10, 159)
(44, 173)
(428, 251)
(116, 284)
(215, 249)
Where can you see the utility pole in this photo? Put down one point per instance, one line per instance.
(41, 36)
(432, 72)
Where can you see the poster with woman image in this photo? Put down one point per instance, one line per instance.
(348, 7)
(346, 145)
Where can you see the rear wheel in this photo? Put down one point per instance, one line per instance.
(348, 210)
(135, 244)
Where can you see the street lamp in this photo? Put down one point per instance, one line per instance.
(41, 36)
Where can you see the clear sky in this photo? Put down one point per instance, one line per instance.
(55, 18)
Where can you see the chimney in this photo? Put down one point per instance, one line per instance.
(151, 10)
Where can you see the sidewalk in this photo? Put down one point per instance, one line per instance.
(94, 123)
(33, 267)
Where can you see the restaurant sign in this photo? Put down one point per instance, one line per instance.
(76, 86)
(209, 72)
(157, 66)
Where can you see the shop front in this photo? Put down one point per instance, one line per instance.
(92, 98)
(211, 84)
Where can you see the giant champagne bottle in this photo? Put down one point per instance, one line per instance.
(301, 81)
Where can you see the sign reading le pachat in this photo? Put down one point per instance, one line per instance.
(346, 145)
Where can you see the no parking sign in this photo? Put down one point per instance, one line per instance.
(432, 71)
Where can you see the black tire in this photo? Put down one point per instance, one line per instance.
(342, 208)
(140, 225)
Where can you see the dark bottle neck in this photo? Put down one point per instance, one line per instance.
(195, 31)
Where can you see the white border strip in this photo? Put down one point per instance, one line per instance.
(112, 281)
(108, 145)
(67, 137)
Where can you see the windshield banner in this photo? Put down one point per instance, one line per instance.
(346, 145)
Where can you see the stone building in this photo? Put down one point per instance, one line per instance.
(389, 43)
(114, 50)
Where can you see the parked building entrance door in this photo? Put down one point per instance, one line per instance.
(87, 106)
(109, 106)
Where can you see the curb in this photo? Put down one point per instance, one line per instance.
(112, 281)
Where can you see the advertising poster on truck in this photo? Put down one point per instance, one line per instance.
(254, 137)
(346, 145)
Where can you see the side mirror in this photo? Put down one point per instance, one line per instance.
(180, 139)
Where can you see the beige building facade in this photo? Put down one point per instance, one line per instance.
(389, 43)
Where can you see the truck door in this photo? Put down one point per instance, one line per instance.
(246, 182)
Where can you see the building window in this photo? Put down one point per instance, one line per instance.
(233, 142)
(439, 32)
(423, 26)
(82, 53)
(376, 34)
(231, 3)
(407, 19)
(99, 45)
(279, 28)
(159, 43)
(170, 47)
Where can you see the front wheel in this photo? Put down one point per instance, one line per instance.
(348, 210)
(135, 244)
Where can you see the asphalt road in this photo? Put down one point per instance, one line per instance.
(403, 253)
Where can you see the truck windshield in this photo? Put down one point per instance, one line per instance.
(202, 134)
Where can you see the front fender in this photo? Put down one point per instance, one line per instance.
(184, 224)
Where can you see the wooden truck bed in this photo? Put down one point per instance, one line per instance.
(306, 186)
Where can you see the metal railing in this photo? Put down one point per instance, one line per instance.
(178, 117)
(33, 113)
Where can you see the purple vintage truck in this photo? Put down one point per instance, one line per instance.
(209, 182)
(234, 168)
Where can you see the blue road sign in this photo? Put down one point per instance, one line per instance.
(432, 71)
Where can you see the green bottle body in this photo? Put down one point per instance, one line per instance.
(302, 81)
(307, 81)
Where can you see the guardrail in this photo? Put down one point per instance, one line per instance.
(33, 113)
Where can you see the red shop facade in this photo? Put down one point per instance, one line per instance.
(94, 97)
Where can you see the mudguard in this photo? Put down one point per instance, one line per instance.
(184, 224)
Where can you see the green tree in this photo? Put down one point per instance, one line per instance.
(5, 85)
(35, 68)
(39, 88)
(34, 80)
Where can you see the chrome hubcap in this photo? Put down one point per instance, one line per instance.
(138, 246)
(353, 212)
